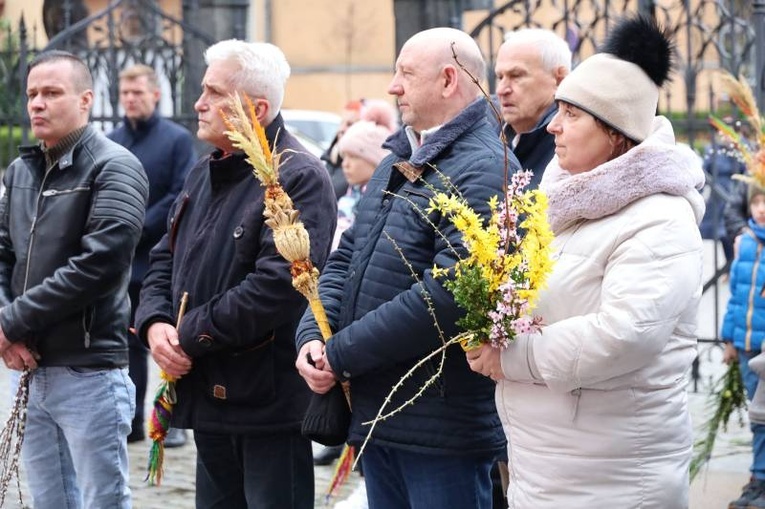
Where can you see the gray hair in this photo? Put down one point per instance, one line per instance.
(553, 50)
(263, 69)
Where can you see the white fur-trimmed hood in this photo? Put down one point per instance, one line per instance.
(655, 166)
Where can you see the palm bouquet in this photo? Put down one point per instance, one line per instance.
(501, 266)
(750, 151)
(506, 263)
(328, 416)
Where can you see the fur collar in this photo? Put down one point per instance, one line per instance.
(655, 166)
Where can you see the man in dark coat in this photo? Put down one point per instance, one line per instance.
(530, 65)
(436, 452)
(234, 350)
(166, 151)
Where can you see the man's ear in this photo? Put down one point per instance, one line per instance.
(450, 75)
(262, 109)
(86, 100)
(560, 73)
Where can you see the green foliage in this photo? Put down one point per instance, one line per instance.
(727, 397)
(11, 95)
(471, 288)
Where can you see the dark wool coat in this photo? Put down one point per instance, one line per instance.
(242, 311)
(535, 148)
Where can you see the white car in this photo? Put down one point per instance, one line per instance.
(318, 126)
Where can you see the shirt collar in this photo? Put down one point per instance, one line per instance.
(416, 139)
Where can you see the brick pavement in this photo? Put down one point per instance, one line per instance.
(713, 489)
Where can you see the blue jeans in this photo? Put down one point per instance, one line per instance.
(237, 471)
(399, 479)
(751, 379)
(75, 446)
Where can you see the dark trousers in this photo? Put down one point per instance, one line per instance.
(398, 479)
(138, 360)
(254, 472)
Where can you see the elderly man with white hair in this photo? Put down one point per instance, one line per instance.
(381, 296)
(530, 65)
(234, 350)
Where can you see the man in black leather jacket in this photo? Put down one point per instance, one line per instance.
(69, 222)
(234, 350)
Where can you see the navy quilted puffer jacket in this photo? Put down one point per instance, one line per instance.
(377, 306)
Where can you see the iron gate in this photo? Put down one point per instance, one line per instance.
(125, 32)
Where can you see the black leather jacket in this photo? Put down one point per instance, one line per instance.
(67, 238)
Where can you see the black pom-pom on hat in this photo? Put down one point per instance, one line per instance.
(640, 40)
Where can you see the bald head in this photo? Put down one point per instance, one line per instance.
(429, 85)
(442, 44)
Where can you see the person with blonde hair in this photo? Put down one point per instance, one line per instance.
(166, 151)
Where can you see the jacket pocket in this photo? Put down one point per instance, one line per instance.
(242, 378)
(416, 210)
(175, 220)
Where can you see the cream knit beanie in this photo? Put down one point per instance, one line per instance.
(620, 86)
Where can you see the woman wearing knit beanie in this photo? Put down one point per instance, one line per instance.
(361, 151)
(594, 406)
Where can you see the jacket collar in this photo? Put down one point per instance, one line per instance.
(274, 130)
(434, 145)
(66, 159)
(233, 167)
(657, 165)
(545, 119)
(141, 126)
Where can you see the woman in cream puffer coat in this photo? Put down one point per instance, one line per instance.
(594, 405)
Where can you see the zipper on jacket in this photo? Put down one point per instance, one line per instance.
(55, 192)
(32, 228)
(750, 306)
(88, 317)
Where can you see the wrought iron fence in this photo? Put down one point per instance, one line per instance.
(123, 33)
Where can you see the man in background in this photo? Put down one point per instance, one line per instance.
(166, 151)
(530, 65)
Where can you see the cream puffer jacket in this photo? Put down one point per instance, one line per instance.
(594, 406)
